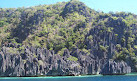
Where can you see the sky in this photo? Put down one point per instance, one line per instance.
(99, 5)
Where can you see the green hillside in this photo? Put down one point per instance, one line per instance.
(71, 25)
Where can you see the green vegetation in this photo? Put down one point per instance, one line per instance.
(12, 50)
(40, 62)
(71, 58)
(70, 25)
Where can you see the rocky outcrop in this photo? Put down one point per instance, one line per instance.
(75, 6)
(112, 67)
(40, 61)
(76, 40)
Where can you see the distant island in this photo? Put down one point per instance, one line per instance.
(66, 39)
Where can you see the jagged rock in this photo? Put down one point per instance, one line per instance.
(40, 61)
(90, 38)
(66, 53)
(24, 56)
(112, 67)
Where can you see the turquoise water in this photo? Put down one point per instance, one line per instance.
(131, 77)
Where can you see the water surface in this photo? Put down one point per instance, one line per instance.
(128, 77)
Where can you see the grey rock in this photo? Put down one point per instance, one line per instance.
(112, 67)
(39, 61)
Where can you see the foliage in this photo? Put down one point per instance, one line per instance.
(71, 58)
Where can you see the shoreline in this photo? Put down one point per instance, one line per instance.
(79, 76)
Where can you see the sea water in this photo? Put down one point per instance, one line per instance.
(128, 77)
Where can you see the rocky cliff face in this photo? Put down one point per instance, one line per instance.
(67, 38)
(40, 61)
(112, 67)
